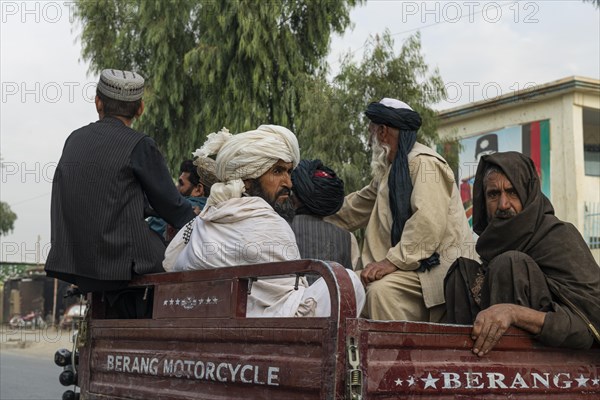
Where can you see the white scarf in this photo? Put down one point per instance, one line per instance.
(247, 155)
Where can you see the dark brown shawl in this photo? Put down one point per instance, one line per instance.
(556, 246)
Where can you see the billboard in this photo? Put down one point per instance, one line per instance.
(531, 139)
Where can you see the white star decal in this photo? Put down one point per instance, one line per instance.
(200, 301)
(595, 382)
(581, 381)
(177, 301)
(410, 381)
(214, 300)
(171, 302)
(398, 382)
(166, 303)
(430, 381)
(208, 300)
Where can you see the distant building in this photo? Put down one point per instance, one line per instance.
(557, 124)
(26, 288)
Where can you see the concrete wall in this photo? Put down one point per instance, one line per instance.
(569, 186)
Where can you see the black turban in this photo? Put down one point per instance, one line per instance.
(407, 122)
(400, 186)
(318, 187)
(400, 118)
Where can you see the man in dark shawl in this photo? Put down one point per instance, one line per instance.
(317, 193)
(415, 223)
(537, 272)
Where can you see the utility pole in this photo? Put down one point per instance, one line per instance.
(55, 297)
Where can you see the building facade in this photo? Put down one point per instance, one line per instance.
(25, 288)
(557, 124)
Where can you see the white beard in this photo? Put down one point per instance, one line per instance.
(379, 161)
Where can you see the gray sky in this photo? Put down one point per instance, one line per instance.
(482, 49)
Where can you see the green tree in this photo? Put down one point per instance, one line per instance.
(212, 63)
(326, 131)
(10, 271)
(7, 218)
(333, 125)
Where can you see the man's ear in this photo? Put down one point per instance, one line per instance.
(384, 134)
(99, 105)
(389, 135)
(198, 191)
(140, 109)
(247, 184)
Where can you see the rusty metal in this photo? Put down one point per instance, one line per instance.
(412, 360)
(207, 349)
(354, 378)
(199, 345)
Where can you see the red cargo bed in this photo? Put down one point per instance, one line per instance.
(199, 345)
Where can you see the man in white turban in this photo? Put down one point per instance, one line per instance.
(244, 221)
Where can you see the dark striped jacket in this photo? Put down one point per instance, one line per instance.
(97, 213)
(322, 240)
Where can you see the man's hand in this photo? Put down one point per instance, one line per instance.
(376, 270)
(489, 326)
(491, 323)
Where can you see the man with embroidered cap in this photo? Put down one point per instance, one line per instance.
(415, 224)
(318, 193)
(107, 175)
(537, 272)
(245, 221)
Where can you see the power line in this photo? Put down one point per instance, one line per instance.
(427, 26)
(29, 199)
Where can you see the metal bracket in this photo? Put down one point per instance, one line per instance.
(354, 377)
(298, 276)
(250, 281)
(82, 330)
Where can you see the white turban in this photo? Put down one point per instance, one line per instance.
(247, 155)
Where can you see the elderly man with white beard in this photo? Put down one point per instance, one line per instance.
(415, 223)
(245, 222)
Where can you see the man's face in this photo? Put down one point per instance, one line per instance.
(184, 185)
(501, 198)
(276, 183)
(386, 136)
(274, 186)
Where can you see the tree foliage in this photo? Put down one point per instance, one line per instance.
(11, 271)
(596, 3)
(7, 218)
(212, 63)
(243, 63)
(334, 127)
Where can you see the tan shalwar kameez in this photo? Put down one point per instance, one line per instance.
(438, 224)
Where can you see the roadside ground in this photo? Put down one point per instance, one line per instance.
(34, 342)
